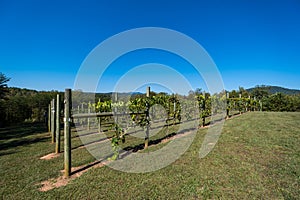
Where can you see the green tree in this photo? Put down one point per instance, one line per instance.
(243, 92)
(198, 91)
(260, 91)
(3, 91)
(233, 94)
(3, 85)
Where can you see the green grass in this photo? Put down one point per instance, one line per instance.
(256, 157)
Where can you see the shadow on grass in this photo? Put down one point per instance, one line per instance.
(130, 149)
(141, 146)
(22, 130)
(21, 142)
(13, 136)
(7, 153)
(88, 166)
(89, 143)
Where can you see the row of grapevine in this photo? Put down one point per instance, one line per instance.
(172, 107)
(146, 111)
(137, 107)
(213, 105)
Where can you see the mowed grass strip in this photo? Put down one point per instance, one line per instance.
(257, 156)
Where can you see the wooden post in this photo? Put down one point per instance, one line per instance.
(57, 145)
(148, 118)
(67, 133)
(260, 105)
(227, 106)
(169, 107)
(99, 124)
(53, 120)
(203, 109)
(174, 110)
(115, 109)
(82, 121)
(49, 118)
(99, 119)
(240, 104)
(88, 119)
(116, 96)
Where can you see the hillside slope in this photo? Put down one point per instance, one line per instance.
(275, 89)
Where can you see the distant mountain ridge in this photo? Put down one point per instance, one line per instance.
(276, 89)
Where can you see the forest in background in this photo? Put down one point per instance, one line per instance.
(24, 105)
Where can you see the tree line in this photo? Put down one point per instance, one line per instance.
(276, 102)
(23, 105)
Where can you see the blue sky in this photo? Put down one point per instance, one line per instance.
(43, 43)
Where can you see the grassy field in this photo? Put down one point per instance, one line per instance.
(256, 157)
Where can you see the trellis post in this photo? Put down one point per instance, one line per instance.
(240, 102)
(203, 109)
(49, 118)
(227, 106)
(99, 119)
(53, 121)
(67, 133)
(260, 105)
(88, 119)
(147, 119)
(174, 110)
(57, 145)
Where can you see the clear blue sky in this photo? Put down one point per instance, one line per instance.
(43, 43)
